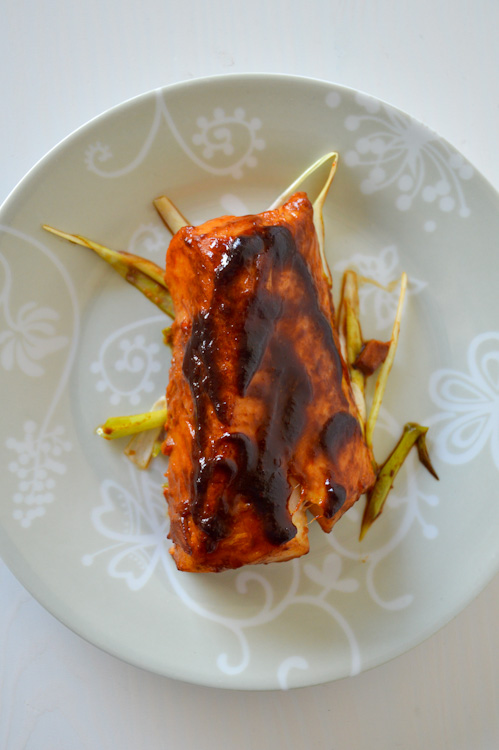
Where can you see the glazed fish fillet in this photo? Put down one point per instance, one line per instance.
(262, 425)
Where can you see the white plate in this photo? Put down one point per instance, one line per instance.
(85, 532)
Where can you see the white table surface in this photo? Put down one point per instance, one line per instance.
(61, 64)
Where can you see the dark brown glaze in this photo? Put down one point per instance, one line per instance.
(258, 399)
(339, 431)
(264, 479)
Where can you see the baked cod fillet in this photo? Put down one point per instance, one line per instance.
(262, 424)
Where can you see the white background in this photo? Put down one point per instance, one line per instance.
(62, 63)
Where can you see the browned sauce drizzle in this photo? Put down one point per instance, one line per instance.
(255, 468)
(339, 431)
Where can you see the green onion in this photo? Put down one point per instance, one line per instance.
(380, 387)
(318, 203)
(117, 427)
(352, 334)
(173, 219)
(412, 433)
(141, 273)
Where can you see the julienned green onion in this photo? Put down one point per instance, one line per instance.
(168, 211)
(412, 433)
(141, 273)
(381, 381)
(146, 445)
(318, 202)
(118, 427)
(350, 332)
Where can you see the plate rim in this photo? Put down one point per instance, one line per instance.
(131, 101)
(12, 196)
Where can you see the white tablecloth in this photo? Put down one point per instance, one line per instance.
(61, 64)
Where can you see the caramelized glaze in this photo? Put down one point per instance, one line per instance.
(259, 399)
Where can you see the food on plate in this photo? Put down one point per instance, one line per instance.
(260, 409)
(265, 414)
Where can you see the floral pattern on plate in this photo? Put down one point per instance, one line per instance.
(30, 336)
(224, 144)
(398, 152)
(127, 360)
(27, 340)
(469, 420)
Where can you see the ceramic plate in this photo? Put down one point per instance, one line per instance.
(85, 532)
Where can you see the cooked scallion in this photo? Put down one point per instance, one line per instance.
(117, 427)
(380, 387)
(318, 202)
(353, 339)
(172, 217)
(141, 273)
(412, 433)
(146, 445)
